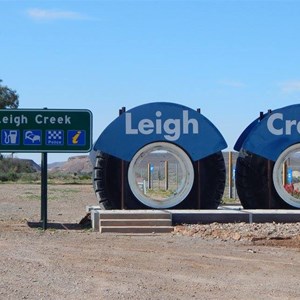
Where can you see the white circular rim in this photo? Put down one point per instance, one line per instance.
(277, 177)
(183, 160)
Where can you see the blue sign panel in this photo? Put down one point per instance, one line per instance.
(290, 176)
(270, 136)
(157, 122)
(151, 168)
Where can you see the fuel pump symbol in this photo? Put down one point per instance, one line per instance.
(10, 137)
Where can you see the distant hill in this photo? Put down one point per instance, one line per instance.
(55, 165)
(32, 163)
(75, 164)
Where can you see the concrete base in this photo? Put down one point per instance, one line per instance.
(235, 215)
(224, 214)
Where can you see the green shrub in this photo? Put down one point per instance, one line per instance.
(12, 169)
(9, 176)
(30, 177)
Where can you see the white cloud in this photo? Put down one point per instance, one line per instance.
(290, 86)
(232, 83)
(52, 14)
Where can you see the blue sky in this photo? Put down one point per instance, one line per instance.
(232, 59)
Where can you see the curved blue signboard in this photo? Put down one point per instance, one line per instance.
(273, 133)
(157, 122)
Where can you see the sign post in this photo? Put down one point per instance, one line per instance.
(44, 190)
(45, 130)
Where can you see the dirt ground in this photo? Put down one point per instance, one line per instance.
(215, 261)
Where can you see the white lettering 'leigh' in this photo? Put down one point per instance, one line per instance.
(172, 128)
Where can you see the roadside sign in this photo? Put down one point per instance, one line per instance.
(45, 130)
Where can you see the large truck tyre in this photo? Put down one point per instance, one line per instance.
(107, 181)
(205, 177)
(255, 183)
(213, 180)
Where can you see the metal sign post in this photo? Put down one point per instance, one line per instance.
(44, 190)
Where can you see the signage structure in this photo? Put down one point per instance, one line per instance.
(270, 134)
(45, 130)
(159, 122)
(147, 135)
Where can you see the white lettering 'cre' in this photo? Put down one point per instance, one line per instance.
(283, 127)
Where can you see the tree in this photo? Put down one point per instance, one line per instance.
(8, 97)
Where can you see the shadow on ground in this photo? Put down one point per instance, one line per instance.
(85, 223)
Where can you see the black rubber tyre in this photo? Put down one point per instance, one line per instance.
(254, 185)
(107, 181)
(211, 177)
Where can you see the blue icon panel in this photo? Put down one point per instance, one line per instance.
(76, 137)
(54, 137)
(10, 137)
(32, 137)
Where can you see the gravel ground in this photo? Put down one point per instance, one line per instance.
(213, 261)
(283, 234)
